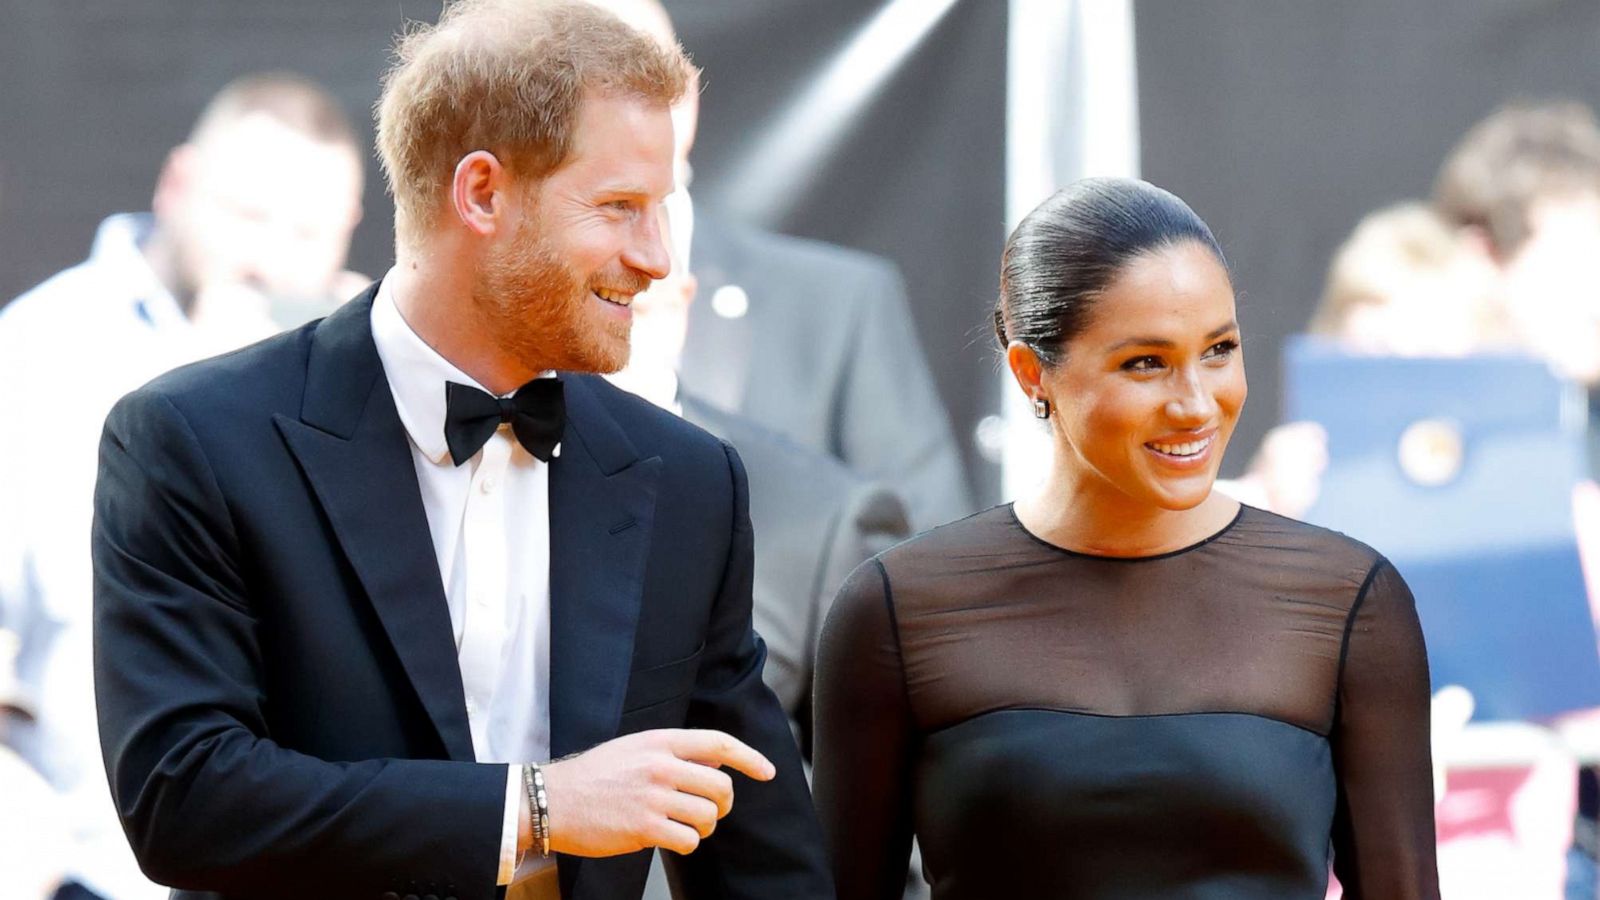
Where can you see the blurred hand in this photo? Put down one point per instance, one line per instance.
(1288, 469)
(663, 788)
(33, 839)
(1586, 527)
(1451, 710)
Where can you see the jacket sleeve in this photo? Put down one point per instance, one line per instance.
(208, 800)
(770, 845)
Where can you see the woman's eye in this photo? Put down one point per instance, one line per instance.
(1222, 349)
(1142, 364)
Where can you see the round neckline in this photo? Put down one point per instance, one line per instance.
(1011, 510)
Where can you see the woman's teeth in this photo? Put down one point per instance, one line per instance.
(611, 297)
(1189, 449)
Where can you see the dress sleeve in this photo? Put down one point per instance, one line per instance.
(864, 740)
(1383, 830)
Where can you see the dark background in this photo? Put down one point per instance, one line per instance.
(1281, 123)
(94, 92)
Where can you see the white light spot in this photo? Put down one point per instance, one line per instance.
(730, 302)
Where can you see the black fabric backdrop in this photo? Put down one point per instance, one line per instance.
(94, 92)
(1281, 123)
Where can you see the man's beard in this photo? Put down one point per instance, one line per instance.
(538, 311)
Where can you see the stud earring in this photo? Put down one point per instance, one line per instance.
(1041, 408)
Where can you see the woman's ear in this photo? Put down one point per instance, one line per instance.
(1026, 368)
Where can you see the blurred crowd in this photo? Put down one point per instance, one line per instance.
(799, 353)
(1495, 263)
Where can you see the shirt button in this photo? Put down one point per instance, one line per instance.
(487, 485)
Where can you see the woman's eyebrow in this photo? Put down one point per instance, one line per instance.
(1219, 331)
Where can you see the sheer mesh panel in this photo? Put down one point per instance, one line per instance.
(1270, 618)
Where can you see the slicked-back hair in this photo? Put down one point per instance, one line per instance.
(506, 76)
(1073, 245)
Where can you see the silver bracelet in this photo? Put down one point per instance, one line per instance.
(538, 806)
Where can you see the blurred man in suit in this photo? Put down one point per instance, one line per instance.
(812, 340)
(814, 519)
(258, 203)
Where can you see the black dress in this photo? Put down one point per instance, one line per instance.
(1207, 723)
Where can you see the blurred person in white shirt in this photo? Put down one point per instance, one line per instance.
(251, 216)
(32, 835)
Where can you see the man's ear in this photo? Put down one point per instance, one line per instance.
(478, 192)
(176, 178)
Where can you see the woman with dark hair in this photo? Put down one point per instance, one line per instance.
(1126, 684)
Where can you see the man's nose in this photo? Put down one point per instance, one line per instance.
(647, 251)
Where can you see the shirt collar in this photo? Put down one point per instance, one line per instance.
(416, 374)
(118, 249)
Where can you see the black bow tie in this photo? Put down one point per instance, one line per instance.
(537, 413)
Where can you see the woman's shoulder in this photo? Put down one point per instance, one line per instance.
(928, 571)
(983, 533)
(954, 564)
(1311, 552)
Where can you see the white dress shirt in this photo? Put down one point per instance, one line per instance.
(490, 523)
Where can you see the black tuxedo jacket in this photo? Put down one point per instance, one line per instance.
(280, 703)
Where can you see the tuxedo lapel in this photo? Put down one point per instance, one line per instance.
(602, 511)
(716, 357)
(354, 451)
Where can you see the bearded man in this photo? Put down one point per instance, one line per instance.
(356, 585)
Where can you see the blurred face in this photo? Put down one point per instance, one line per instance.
(651, 17)
(1549, 285)
(1441, 310)
(558, 290)
(263, 206)
(1148, 394)
(661, 320)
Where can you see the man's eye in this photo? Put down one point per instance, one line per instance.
(1142, 364)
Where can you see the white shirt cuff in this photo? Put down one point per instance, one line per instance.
(508, 826)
